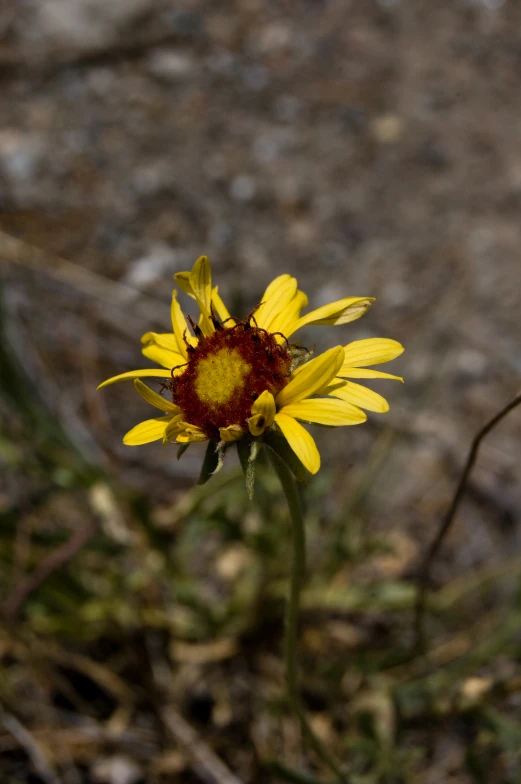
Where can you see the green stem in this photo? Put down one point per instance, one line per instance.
(298, 572)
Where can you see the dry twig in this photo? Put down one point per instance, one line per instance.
(30, 746)
(51, 564)
(425, 567)
(206, 764)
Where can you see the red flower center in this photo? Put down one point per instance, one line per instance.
(226, 373)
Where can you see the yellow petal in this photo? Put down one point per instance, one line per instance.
(263, 413)
(284, 321)
(145, 432)
(256, 425)
(359, 395)
(164, 357)
(351, 372)
(183, 281)
(219, 306)
(265, 406)
(340, 312)
(154, 399)
(371, 351)
(163, 339)
(231, 433)
(191, 433)
(312, 376)
(148, 372)
(274, 286)
(174, 427)
(180, 326)
(279, 297)
(325, 412)
(300, 441)
(201, 283)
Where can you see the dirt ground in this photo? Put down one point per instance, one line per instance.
(369, 148)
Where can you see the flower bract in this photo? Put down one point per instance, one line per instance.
(227, 380)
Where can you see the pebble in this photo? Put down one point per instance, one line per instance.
(153, 266)
(387, 129)
(170, 65)
(396, 293)
(81, 24)
(256, 77)
(20, 158)
(272, 144)
(118, 769)
(243, 188)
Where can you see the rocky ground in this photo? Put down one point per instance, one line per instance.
(368, 148)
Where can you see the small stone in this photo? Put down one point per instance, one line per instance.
(151, 267)
(256, 77)
(243, 188)
(171, 65)
(397, 293)
(287, 107)
(387, 129)
(473, 689)
(81, 24)
(116, 770)
(233, 561)
(471, 362)
(270, 146)
(20, 156)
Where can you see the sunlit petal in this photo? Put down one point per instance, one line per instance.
(147, 372)
(145, 432)
(163, 356)
(302, 443)
(351, 372)
(274, 302)
(324, 411)
(180, 326)
(371, 351)
(311, 377)
(358, 395)
(155, 399)
(263, 413)
(340, 312)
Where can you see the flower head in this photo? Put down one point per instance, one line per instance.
(226, 380)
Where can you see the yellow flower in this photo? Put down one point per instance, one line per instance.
(229, 380)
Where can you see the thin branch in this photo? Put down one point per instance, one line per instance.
(425, 567)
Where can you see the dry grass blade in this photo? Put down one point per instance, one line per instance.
(31, 747)
(16, 251)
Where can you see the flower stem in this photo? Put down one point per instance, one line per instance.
(298, 571)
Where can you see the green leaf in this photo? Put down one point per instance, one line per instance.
(210, 463)
(248, 451)
(276, 441)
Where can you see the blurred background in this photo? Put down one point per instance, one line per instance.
(369, 148)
